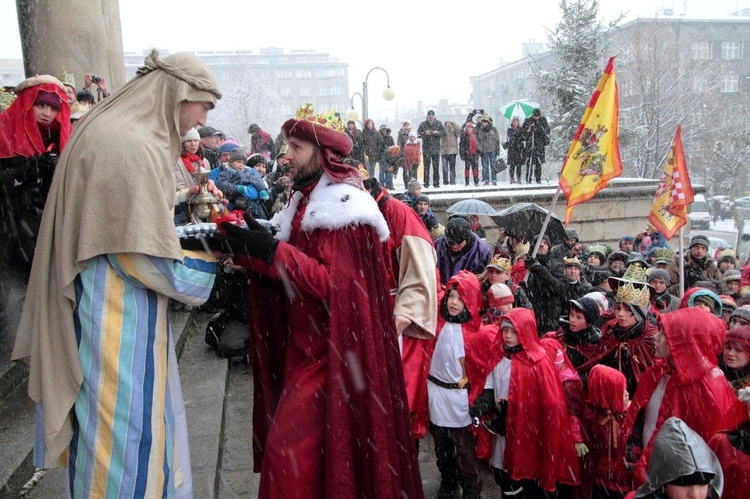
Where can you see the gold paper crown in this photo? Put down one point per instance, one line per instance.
(663, 254)
(726, 252)
(632, 288)
(501, 262)
(331, 119)
(6, 99)
(602, 249)
(572, 261)
(363, 173)
(523, 249)
(67, 79)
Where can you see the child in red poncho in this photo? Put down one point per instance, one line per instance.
(533, 450)
(412, 154)
(457, 367)
(603, 415)
(732, 447)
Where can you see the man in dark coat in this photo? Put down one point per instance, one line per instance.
(543, 287)
(536, 132)
(431, 131)
(460, 249)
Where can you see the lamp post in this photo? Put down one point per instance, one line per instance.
(388, 93)
(351, 113)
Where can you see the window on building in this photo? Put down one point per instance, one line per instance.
(731, 50)
(304, 73)
(730, 82)
(303, 92)
(700, 51)
(285, 91)
(283, 73)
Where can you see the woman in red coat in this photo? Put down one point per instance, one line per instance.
(534, 449)
(732, 447)
(684, 381)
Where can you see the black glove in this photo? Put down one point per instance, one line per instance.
(255, 241)
(633, 451)
(497, 425)
(205, 243)
(692, 276)
(530, 262)
(483, 404)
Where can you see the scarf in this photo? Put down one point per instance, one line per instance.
(472, 143)
(509, 351)
(190, 160)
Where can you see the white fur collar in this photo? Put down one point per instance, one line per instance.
(332, 206)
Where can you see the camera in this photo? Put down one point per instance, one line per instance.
(95, 79)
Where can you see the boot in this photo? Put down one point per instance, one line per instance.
(466, 179)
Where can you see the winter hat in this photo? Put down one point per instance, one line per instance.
(227, 147)
(600, 276)
(637, 258)
(237, 154)
(500, 264)
(207, 131)
(413, 185)
(740, 337)
(599, 298)
(570, 233)
(254, 128)
(422, 198)
(500, 294)
(536, 112)
(589, 308)
(617, 256)
(659, 274)
(255, 159)
(191, 135)
(430, 113)
(626, 239)
(727, 303)
(699, 239)
(52, 100)
(708, 298)
(742, 312)
(731, 275)
(458, 229)
(413, 134)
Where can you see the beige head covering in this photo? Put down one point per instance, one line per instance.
(113, 192)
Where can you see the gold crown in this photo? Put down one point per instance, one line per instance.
(602, 249)
(501, 262)
(636, 274)
(726, 252)
(6, 99)
(663, 254)
(629, 293)
(331, 119)
(523, 248)
(363, 172)
(572, 261)
(67, 79)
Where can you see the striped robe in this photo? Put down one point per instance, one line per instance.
(130, 431)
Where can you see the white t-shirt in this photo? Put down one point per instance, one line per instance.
(448, 407)
(499, 381)
(652, 410)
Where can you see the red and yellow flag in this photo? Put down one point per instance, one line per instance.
(594, 155)
(675, 192)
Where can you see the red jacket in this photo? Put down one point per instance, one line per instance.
(539, 443)
(697, 391)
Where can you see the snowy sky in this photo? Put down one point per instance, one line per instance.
(428, 50)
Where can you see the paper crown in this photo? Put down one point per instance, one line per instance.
(331, 119)
(601, 249)
(500, 263)
(569, 262)
(726, 252)
(6, 99)
(663, 254)
(523, 249)
(632, 287)
(363, 172)
(67, 79)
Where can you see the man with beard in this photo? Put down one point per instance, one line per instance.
(544, 286)
(330, 410)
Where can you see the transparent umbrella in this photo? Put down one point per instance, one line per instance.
(520, 108)
(471, 207)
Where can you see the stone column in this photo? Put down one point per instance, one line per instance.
(78, 36)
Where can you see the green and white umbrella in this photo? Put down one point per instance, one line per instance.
(520, 108)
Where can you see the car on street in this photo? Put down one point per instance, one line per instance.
(700, 217)
(743, 207)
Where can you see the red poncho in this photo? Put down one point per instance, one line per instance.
(19, 130)
(539, 444)
(734, 462)
(697, 391)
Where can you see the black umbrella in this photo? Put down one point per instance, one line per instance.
(526, 219)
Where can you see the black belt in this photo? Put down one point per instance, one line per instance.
(443, 384)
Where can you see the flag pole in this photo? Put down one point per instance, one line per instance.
(546, 222)
(682, 263)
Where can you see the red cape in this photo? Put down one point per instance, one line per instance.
(19, 131)
(539, 444)
(343, 403)
(697, 391)
(415, 360)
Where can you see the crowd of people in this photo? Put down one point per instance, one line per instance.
(574, 370)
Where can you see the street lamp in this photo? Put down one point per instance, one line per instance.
(351, 113)
(388, 93)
